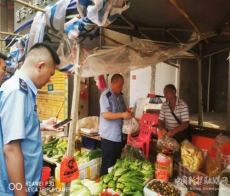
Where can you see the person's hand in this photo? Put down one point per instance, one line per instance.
(163, 132)
(171, 133)
(47, 125)
(127, 115)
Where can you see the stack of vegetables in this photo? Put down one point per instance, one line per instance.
(84, 156)
(128, 176)
(85, 188)
(57, 148)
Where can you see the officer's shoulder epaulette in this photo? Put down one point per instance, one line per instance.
(23, 86)
(108, 94)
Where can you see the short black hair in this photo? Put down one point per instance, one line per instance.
(50, 49)
(115, 77)
(171, 87)
(2, 56)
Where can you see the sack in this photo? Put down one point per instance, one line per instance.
(192, 157)
(91, 122)
(212, 162)
(130, 126)
(69, 169)
(168, 143)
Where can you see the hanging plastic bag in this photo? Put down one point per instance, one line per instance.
(66, 56)
(55, 15)
(212, 161)
(130, 126)
(222, 139)
(69, 169)
(168, 143)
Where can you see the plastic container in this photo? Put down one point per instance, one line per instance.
(162, 167)
(180, 186)
(169, 154)
(88, 143)
(45, 177)
(58, 184)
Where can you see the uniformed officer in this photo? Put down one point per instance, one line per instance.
(3, 72)
(112, 113)
(20, 137)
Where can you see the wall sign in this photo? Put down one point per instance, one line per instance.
(50, 87)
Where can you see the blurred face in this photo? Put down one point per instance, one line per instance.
(3, 72)
(169, 94)
(117, 86)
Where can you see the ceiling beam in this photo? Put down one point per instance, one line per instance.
(149, 28)
(175, 38)
(179, 8)
(220, 25)
(217, 52)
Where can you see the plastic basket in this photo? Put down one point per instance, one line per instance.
(88, 143)
(198, 181)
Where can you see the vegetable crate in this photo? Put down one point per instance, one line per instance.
(198, 181)
(88, 143)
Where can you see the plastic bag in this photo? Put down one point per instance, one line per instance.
(212, 162)
(91, 122)
(37, 30)
(69, 169)
(104, 12)
(66, 56)
(130, 126)
(133, 151)
(168, 143)
(192, 157)
(222, 139)
(100, 82)
(55, 15)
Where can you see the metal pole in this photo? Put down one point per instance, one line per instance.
(74, 116)
(200, 104)
(30, 6)
(12, 34)
(209, 76)
(228, 107)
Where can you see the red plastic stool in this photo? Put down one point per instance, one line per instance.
(144, 137)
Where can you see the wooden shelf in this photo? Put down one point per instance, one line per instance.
(92, 136)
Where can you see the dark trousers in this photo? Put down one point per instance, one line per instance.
(111, 151)
(36, 194)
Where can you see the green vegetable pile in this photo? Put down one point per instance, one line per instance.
(128, 176)
(58, 147)
(85, 188)
(55, 149)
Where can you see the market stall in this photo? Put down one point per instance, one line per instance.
(131, 176)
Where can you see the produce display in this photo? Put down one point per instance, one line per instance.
(58, 147)
(192, 156)
(191, 194)
(163, 188)
(85, 188)
(128, 176)
(106, 193)
(84, 156)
